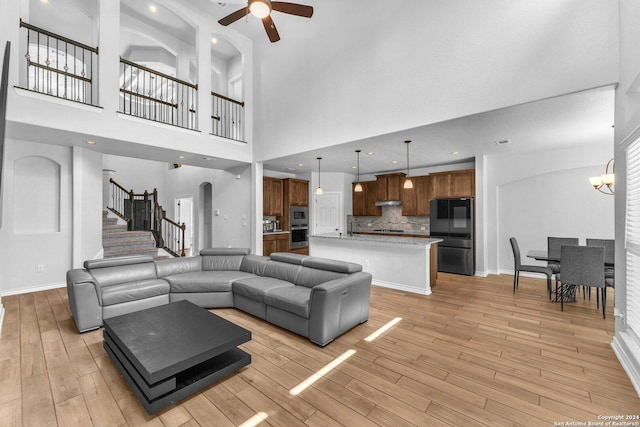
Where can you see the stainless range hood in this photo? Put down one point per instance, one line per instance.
(389, 203)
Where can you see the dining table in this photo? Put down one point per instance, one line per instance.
(569, 295)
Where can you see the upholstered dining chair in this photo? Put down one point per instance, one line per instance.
(518, 267)
(609, 246)
(581, 266)
(553, 251)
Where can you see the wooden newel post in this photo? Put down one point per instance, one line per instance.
(145, 221)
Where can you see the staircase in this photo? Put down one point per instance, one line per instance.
(117, 241)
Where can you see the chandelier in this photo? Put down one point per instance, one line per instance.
(604, 183)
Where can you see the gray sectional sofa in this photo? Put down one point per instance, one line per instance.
(314, 297)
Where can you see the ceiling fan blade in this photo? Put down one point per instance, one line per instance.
(270, 28)
(233, 17)
(292, 8)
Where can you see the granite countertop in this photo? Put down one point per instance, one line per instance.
(276, 232)
(391, 233)
(381, 239)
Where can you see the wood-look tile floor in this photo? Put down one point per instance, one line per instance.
(472, 353)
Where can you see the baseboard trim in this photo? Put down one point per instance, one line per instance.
(627, 351)
(34, 289)
(402, 287)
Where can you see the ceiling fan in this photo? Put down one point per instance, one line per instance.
(262, 9)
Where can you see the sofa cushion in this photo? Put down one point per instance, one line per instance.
(115, 275)
(283, 271)
(310, 277)
(222, 258)
(205, 281)
(133, 291)
(171, 266)
(255, 264)
(331, 265)
(292, 299)
(256, 287)
(288, 257)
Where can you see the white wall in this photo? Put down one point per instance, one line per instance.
(22, 252)
(370, 78)
(535, 195)
(87, 205)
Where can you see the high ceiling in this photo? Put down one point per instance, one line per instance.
(576, 119)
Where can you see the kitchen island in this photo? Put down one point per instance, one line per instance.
(404, 263)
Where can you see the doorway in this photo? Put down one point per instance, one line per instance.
(328, 213)
(184, 214)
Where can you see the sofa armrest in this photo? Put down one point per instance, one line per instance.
(338, 305)
(84, 300)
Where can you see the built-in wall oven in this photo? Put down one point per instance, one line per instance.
(299, 218)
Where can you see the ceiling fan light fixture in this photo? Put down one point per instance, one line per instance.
(260, 8)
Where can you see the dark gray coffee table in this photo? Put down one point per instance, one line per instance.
(169, 352)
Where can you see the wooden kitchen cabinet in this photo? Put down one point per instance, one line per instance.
(459, 183)
(296, 192)
(389, 186)
(275, 243)
(364, 203)
(272, 196)
(415, 201)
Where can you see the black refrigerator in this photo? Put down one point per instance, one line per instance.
(452, 221)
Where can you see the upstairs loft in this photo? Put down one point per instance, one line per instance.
(66, 92)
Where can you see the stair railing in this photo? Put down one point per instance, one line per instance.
(148, 215)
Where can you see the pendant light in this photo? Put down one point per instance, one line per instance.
(407, 182)
(319, 189)
(358, 187)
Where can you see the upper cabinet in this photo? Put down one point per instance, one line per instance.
(415, 201)
(389, 186)
(364, 203)
(460, 183)
(296, 192)
(272, 196)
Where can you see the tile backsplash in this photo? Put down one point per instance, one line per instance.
(391, 219)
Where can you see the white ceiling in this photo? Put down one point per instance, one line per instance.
(577, 119)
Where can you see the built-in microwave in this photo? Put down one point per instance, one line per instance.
(299, 215)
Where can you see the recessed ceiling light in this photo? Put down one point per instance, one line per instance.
(300, 165)
(181, 157)
(44, 1)
(393, 162)
(455, 153)
(371, 153)
(90, 142)
(353, 167)
(214, 40)
(291, 169)
(153, 9)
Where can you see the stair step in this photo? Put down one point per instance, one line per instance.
(127, 251)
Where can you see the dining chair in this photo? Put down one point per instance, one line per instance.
(553, 250)
(581, 266)
(609, 246)
(518, 267)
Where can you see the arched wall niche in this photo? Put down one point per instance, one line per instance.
(36, 189)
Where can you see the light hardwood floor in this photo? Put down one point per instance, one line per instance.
(472, 353)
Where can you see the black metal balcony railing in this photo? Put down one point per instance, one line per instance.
(228, 117)
(59, 66)
(156, 96)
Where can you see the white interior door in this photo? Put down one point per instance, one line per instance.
(328, 213)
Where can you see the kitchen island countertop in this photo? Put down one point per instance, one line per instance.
(404, 263)
(422, 241)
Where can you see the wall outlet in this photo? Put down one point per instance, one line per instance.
(40, 268)
(423, 228)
